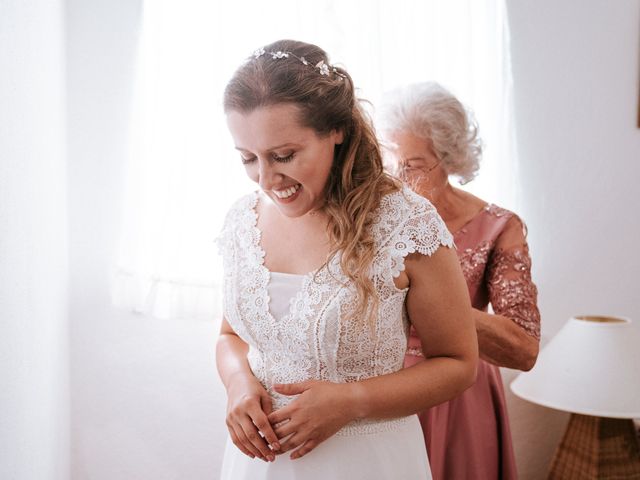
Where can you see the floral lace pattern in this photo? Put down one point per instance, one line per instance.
(315, 340)
(497, 211)
(474, 261)
(511, 290)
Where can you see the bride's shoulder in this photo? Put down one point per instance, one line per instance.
(242, 205)
(403, 205)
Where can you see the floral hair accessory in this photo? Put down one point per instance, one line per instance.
(321, 66)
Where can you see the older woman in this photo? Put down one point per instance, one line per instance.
(432, 137)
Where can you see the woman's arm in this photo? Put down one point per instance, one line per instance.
(248, 402)
(439, 309)
(438, 305)
(503, 343)
(510, 337)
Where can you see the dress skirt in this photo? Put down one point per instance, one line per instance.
(387, 454)
(468, 438)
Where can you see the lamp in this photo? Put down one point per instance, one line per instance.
(591, 369)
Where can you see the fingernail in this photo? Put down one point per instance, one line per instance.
(275, 446)
(271, 458)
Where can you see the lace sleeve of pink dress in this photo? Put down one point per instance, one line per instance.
(511, 291)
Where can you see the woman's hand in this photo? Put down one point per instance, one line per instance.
(247, 408)
(321, 409)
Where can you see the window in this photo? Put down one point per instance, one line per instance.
(183, 172)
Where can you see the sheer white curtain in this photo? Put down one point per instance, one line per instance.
(183, 171)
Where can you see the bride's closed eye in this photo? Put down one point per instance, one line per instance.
(284, 159)
(276, 158)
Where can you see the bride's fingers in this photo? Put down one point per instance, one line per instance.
(293, 442)
(285, 430)
(280, 415)
(260, 420)
(240, 444)
(304, 449)
(253, 439)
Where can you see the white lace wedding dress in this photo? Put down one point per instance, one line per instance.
(296, 328)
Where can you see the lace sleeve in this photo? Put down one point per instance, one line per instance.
(511, 289)
(422, 231)
(224, 240)
(239, 214)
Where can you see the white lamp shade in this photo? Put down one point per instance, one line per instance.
(591, 367)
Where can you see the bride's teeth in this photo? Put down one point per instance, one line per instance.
(287, 192)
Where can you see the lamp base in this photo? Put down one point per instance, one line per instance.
(597, 448)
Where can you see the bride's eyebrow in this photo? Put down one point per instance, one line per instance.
(289, 144)
(277, 147)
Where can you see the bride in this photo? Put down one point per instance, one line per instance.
(324, 268)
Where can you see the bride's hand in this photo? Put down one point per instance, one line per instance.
(247, 408)
(321, 409)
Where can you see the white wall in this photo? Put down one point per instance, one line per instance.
(33, 243)
(576, 85)
(146, 400)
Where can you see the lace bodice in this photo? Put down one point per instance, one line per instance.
(282, 289)
(315, 340)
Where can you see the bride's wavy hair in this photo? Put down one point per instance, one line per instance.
(326, 101)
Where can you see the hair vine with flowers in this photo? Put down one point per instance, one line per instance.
(321, 66)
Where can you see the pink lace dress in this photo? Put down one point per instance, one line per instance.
(469, 437)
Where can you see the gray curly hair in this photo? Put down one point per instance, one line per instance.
(431, 112)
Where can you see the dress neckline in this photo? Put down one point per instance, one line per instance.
(305, 283)
(285, 274)
(477, 215)
(258, 243)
